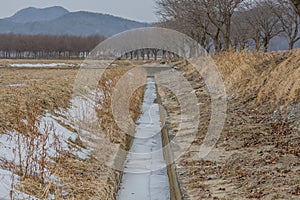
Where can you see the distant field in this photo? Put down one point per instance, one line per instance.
(39, 62)
(50, 88)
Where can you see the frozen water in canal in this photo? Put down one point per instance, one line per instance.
(145, 174)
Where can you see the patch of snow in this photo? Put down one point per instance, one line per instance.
(82, 115)
(8, 145)
(83, 109)
(16, 85)
(66, 136)
(41, 65)
(10, 151)
(6, 191)
(5, 184)
(53, 129)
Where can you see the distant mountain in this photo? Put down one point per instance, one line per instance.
(59, 21)
(31, 14)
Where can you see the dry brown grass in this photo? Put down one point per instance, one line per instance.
(107, 123)
(271, 78)
(50, 89)
(257, 155)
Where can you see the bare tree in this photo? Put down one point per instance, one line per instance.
(187, 17)
(202, 19)
(289, 19)
(248, 13)
(241, 31)
(231, 23)
(265, 25)
(220, 14)
(296, 4)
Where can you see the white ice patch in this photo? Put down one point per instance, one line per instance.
(5, 184)
(16, 85)
(82, 115)
(7, 147)
(145, 174)
(14, 146)
(53, 128)
(66, 136)
(83, 110)
(6, 191)
(41, 65)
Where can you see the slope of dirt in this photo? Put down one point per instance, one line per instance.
(267, 77)
(258, 153)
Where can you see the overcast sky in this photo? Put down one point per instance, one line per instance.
(140, 10)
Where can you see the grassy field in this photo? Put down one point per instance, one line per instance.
(30, 93)
(50, 89)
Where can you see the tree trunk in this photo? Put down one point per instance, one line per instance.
(131, 55)
(155, 52)
(291, 44)
(266, 45)
(143, 54)
(227, 35)
(216, 45)
(296, 3)
(148, 54)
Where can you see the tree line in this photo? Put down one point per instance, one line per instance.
(222, 25)
(17, 46)
(47, 46)
(150, 53)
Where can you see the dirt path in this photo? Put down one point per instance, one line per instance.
(145, 174)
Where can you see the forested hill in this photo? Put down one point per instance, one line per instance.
(59, 21)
